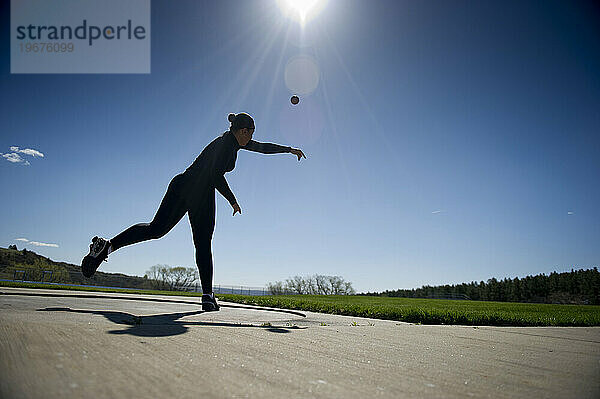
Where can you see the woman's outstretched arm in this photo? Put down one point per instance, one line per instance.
(223, 188)
(270, 148)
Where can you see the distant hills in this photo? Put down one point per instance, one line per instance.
(574, 287)
(28, 265)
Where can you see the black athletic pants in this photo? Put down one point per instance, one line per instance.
(178, 200)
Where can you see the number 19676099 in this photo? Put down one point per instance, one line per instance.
(47, 47)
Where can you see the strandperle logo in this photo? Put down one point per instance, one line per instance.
(80, 36)
(83, 32)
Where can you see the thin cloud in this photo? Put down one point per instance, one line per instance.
(27, 151)
(42, 244)
(14, 158)
(15, 155)
(37, 243)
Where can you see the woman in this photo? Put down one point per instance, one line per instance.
(193, 191)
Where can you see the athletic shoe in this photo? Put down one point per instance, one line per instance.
(209, 303)
(98, 253)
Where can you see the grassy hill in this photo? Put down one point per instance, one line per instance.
(34, 265)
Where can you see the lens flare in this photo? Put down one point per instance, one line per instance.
(302, 75)
(303, 10)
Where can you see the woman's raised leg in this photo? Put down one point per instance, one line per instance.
(169, 213)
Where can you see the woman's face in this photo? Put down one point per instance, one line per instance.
(245, 136)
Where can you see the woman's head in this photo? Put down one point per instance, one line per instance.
(242, 127)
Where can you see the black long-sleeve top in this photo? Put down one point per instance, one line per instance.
(218, 158)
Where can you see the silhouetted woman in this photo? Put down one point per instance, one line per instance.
(193, 191)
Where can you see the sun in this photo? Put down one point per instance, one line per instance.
(302, 7)
(303, 10)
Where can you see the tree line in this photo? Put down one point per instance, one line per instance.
(312, 285)
(178, 278)
(577, 287)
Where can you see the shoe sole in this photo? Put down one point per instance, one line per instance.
(87, 266)
(210, 307)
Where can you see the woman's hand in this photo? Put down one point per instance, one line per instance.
(236, 208)
(298, 152)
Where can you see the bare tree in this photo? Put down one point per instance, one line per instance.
(313, 285)
(310, 285)
(276, 288)
(322, 285)
(348, 289)
(157, 276)
(181, 278)
(163, 277)
(295, 284)
(337, 284)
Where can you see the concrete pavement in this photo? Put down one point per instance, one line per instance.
(71, 344)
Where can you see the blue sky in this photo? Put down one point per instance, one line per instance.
(447, 142)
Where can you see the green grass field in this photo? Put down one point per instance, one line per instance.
(424, 311)
(435, 311)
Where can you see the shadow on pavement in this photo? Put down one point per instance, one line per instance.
(162, 325)
(135, 298)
